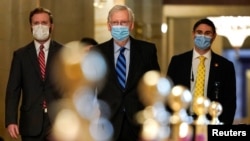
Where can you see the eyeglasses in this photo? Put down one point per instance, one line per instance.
(123, 23)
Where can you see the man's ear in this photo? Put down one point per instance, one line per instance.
(214, 36)
(31, 29)
(132, 26)
(51, 28)
(193, 34)
(109, 26)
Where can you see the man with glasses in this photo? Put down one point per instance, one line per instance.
(220, 82)
(120, 90)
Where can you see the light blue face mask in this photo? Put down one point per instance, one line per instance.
(202, 42)
(119, 32)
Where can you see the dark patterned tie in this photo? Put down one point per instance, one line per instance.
(121, 68)
(41, 59)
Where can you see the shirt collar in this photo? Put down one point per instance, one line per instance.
(117, 47)
(196, 54)
(46, 44)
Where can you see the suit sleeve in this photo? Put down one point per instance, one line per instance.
(228, 97)
(13, 92)
(171, 69)
(154, 58)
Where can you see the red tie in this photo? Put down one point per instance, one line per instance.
(41, 59)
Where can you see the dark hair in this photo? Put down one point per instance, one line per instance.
(205, 21)
(41, 10)
(89, 41)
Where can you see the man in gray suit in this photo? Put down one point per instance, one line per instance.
(30, 86)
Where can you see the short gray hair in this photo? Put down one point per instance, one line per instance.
(120, 8)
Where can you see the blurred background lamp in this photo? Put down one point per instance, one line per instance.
(164, 28)
(235, 28)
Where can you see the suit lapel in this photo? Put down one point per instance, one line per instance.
(109, 51)
(33, 58)
(134, 61)
(212, 74)
(54, 48)
(187, 68)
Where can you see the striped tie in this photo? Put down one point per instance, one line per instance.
(41, 59)
(200, 79)
(121, 68)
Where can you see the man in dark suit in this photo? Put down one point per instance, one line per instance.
(31, 85)
(220, 82)
(140, 57)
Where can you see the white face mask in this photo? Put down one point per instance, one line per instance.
(40, 32)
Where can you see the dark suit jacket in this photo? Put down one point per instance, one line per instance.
(25, 81)
(143, 58)
(221, 82)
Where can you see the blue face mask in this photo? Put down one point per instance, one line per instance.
(119, 32)
(202, 42)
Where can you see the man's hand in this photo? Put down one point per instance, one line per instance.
(13, 130)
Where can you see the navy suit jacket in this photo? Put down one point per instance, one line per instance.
(126, 103)
(221, 82)
(25, 83)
